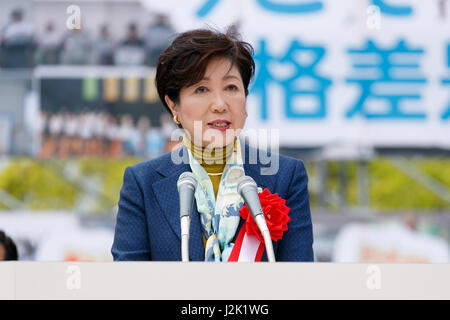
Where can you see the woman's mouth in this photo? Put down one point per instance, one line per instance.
(220, 124)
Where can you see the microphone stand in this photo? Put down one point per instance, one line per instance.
(262, 225)
(185, 226)
(186, 185)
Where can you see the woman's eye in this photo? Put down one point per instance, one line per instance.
(232, 87)
(201, 90)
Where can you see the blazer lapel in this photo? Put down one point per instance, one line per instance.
(167, 196)
(255, 170)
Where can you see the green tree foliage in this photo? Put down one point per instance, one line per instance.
(37, 186)
(46, 185)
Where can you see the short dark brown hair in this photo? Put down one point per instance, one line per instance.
(185, 61)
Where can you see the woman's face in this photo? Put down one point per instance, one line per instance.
(213, 110)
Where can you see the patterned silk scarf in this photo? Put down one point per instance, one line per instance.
(219, 217)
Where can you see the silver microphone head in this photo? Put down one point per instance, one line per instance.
(186, 185)
(187, 178)
(245, 181)
(248, 190)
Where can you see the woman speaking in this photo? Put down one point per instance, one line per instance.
(202, 79)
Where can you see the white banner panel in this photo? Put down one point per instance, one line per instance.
(360, 72)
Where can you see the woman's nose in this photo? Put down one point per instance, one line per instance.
(218, 104)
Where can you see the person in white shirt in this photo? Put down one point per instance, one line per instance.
(49, 45)
(132, 50)
(17, 43)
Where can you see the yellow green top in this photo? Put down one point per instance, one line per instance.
(212, 160)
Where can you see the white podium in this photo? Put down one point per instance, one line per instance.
(238, 281)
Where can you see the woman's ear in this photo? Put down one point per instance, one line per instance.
(170, 104)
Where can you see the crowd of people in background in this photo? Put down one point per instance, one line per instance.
(94, 133)
(66, 134)
(21, 47)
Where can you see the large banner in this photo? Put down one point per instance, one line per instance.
(359, 72)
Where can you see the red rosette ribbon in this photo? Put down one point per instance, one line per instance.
(275, 212)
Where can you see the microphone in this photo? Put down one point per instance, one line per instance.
(248, 190)
(186, 185)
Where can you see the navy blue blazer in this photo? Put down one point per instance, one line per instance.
(148, 221)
